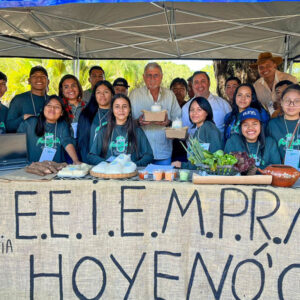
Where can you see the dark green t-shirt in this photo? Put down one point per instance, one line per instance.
(99, 121)
(119, 144)
(23, 104)
(269, 155)
(282, 130)
(207, 133)
(3, 115)
(56, 136)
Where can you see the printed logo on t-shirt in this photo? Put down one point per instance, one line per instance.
(258, 161)
(48, 140)
(285, 141)
(118, 146)
(2, 127)
(235, 127)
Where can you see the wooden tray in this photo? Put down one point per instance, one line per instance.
(219, 179)
(114, 176)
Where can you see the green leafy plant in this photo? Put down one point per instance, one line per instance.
(197, 156)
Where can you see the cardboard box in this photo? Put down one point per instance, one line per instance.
(151, 116)
(176, 133)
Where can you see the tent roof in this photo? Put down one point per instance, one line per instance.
(151, 30)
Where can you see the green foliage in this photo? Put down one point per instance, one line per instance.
(17, 71)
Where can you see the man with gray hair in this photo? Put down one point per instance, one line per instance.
(143, 98)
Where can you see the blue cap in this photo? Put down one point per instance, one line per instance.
(250, 113)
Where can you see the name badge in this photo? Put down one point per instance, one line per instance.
(47, 154)
(292, 158)
(74, 126)
(205, 146)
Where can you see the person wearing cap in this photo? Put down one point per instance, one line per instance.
(251, 139)
(121, 86)
(286, 129)
(30, 103)
(96, 73)
(266, 65)
(3, 108)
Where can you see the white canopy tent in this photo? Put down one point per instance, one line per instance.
(152, 30)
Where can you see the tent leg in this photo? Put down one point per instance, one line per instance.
(76, 62)
(286, 52)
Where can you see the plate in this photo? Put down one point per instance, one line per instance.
(114, 176)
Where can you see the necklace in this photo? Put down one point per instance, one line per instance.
(287, 131)
(54, 141)
(258, 144)
(33, 102)
(101, 118)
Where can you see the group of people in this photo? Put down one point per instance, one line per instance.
(102, 122)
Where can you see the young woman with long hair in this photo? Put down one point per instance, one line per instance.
(49, 134)
(94, 116)
(286, 129)
(244, 97)
(207, 133)
(121, 135)
(70, 91)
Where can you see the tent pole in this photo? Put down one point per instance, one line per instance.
(286, 52)
(76, 62)
(291, 67)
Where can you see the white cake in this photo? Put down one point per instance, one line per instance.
(101, 168)
(177, 123)
(122, 159)
(74, 170)
(129, 167)
(155, 107)
(114, 168)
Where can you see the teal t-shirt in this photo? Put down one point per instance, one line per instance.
(119, 144)
(23, 104)
(263, 157)
(282, 130)
(207, 133)
(3, 115)
(99, 121)
(56, 136)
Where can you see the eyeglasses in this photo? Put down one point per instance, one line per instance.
(288, 102)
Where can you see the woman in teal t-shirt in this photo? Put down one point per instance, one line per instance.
(286, 129)
(207, 133)
(251, 139)
(121, 135)
(49, 134)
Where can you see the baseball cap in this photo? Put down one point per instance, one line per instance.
(250, 113)
(121, 82)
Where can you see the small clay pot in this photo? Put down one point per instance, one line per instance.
(282, 175)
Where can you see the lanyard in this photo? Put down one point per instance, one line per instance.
(54, 136)
(287, 131)
(258, 144)
(33, 103)
(101, 118)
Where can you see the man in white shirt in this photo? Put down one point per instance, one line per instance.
(142, 99)
(220, 107)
